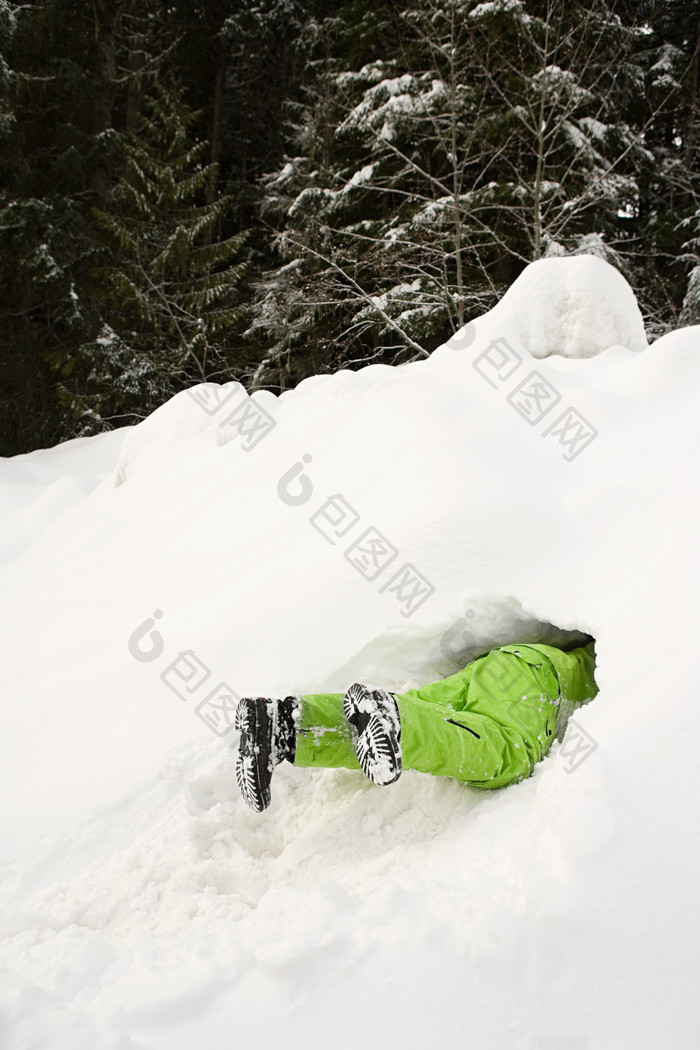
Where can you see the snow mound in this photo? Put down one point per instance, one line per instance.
(382, 526)
(577, 307)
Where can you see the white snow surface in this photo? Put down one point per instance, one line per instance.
(576, 310)
(145, 906)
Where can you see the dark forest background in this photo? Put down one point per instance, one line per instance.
(196, 190)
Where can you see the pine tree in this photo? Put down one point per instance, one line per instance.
(421, 186)
(41, 233)
(394, 165)
(68, 79)
(169, 286)
(660, 228)
(673, 207)
(302, 305)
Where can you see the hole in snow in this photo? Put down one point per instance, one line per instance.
(407, 657)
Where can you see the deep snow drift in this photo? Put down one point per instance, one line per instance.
(381, 526)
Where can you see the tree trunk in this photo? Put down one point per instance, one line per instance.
(691, 132)
(456, 187)
(539, 172)
(217, 119)
(106, 20)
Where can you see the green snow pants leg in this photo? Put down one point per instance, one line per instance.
(488, 725)
(324, 736)
(434, 739)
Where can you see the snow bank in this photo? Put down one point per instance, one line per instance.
(510, 498)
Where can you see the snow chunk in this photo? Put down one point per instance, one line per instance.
(496, 7)
(363, 175)
(577, 306)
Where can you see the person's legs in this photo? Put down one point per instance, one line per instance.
(436, 738)
(325, 738)
(374, 716)
(480, 748)
(513, 692)
(487, 726)
(268, 737)
(357, 729)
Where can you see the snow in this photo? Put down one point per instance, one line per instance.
(669, 60)
(361, 176)
(37, 489)
(497, 7)
(386, 103)
(372, 72)
(577, 309)
(145, 906)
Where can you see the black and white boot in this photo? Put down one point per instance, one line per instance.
(375, 715)
(268, 736)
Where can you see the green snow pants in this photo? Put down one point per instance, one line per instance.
(488, 725)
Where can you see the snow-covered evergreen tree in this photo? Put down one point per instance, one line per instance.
(422, 185)
(394, 166)
(657, 226)
(36, 215)
(168, 280)
(670, 221)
